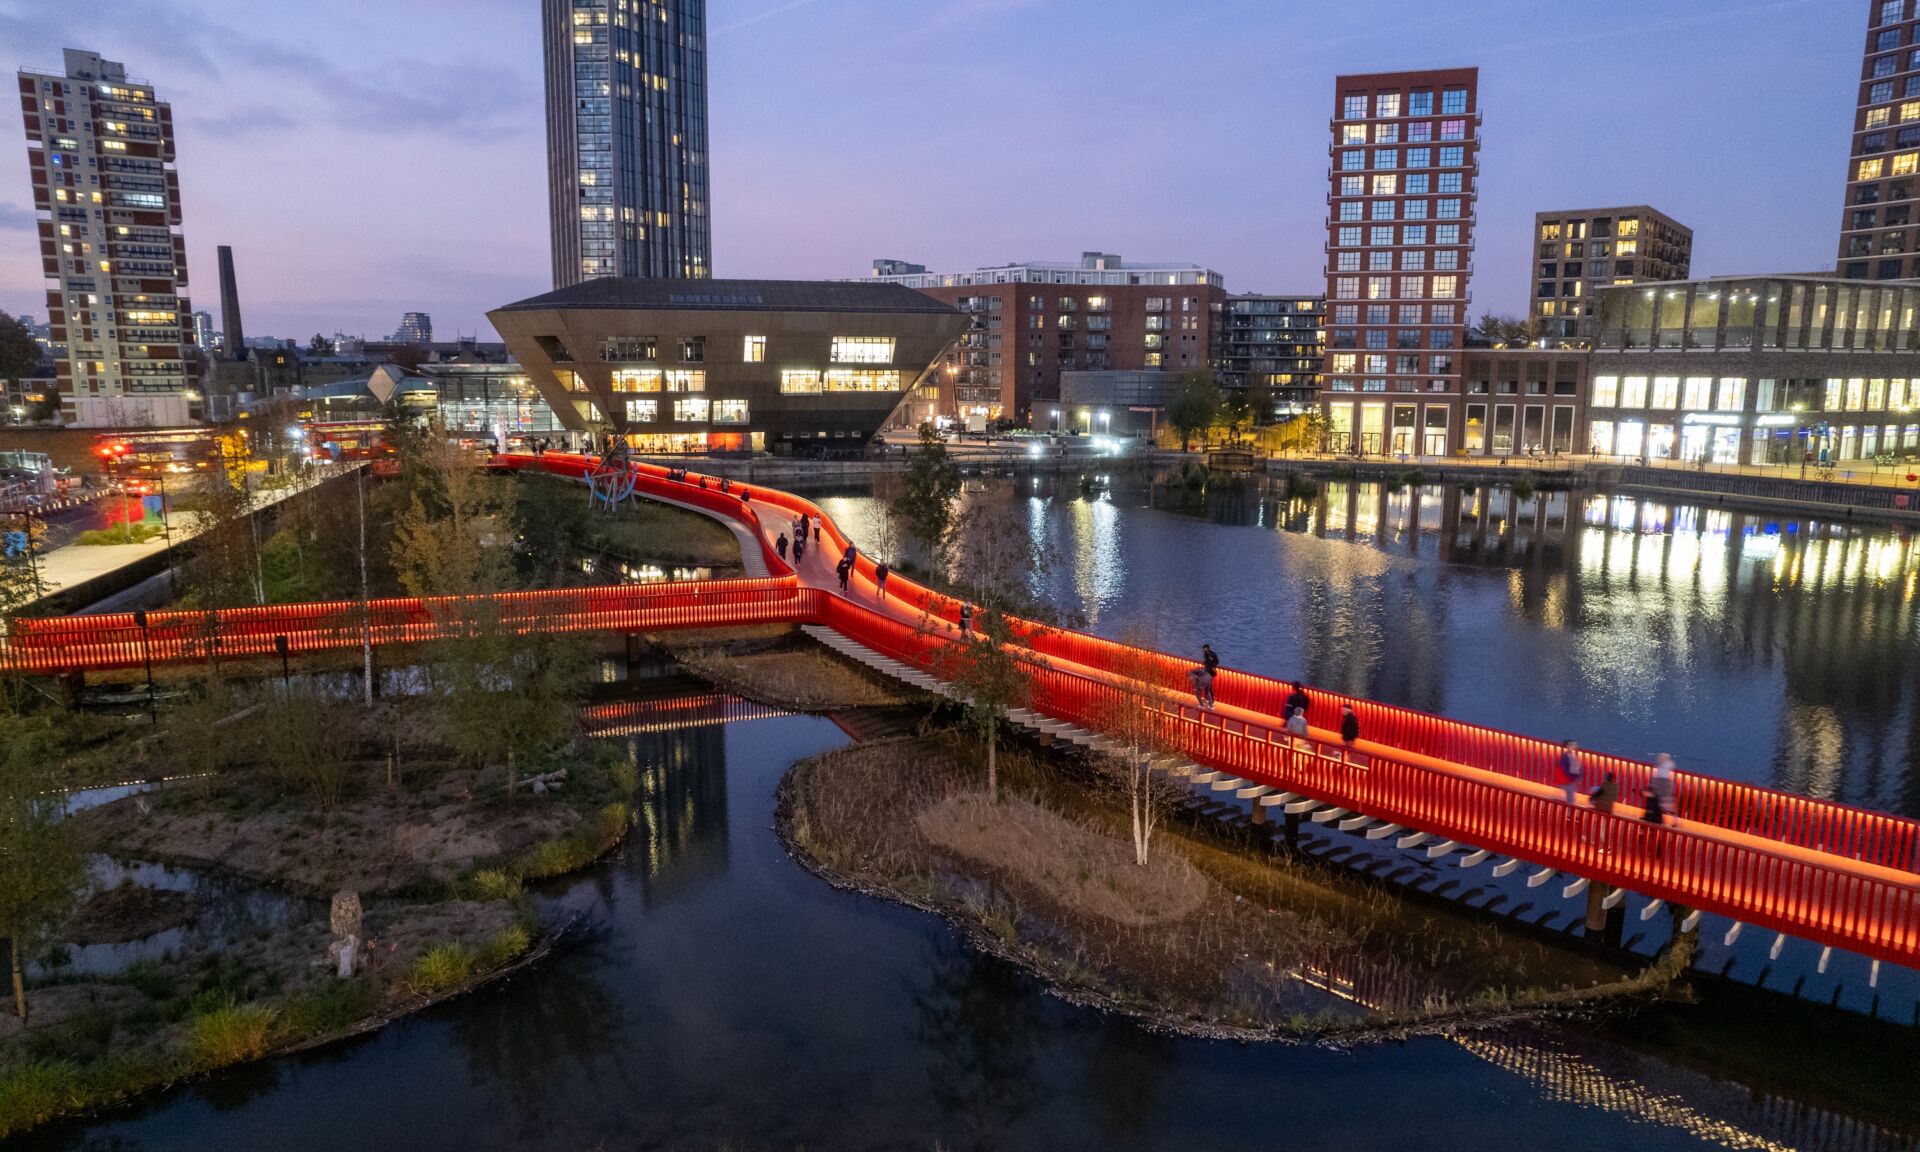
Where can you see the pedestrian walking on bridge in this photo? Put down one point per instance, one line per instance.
(1298, 700)
(880, 580)
(1349, 724)
(1570, 770)
(780, 545)
(966, 621)
(844, 570)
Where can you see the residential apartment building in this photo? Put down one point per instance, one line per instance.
(1878, 237)
(1756, 370)
(1272, 344)
(1580, 251)
(627, 138)
(100, 154)
(1028, 323)
(1400, 221)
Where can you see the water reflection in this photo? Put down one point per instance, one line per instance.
(1774, 649)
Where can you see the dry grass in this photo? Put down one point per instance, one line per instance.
(1208, 935)
(1086, 870)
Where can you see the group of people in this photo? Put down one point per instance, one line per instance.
(1658, 800)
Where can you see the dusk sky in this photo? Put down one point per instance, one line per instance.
(365, 159)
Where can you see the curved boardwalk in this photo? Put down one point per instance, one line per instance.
(1838, 875)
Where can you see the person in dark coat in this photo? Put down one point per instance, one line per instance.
(880, 580)
(780, 545)
(1349, 724)
(1210, 658)
(966, 621)
(1298, 699)
(844, 569)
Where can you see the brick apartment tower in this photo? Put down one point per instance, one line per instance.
(1400, 224)
(100, 155)
(1878, 240)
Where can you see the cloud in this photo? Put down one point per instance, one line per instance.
(18, 218)
(757, 17)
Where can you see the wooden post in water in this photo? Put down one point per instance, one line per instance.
(1596, 912)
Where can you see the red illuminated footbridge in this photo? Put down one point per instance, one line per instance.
(1839, 876)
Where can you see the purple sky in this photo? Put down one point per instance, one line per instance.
(365, 158)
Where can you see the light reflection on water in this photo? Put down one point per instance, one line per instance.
(1768, 648)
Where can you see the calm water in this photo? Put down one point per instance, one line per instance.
(727, 999)
(1752, 646)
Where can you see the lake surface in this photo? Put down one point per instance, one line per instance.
(1763, 648)
(725, 998)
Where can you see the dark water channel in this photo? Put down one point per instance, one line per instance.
(727, 999)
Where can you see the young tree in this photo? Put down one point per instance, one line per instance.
(41, 865)
(925, 504)
(1196, 406)
(1135, 719)
(995, 561)
(514, 696)
(226, 569)
(452, 537)
(319, 346)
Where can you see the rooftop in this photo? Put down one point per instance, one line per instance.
(622, 292)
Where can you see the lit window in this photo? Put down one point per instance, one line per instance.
(1906, 163)
(643, 411)
(1387, 104)
(862, 380)
(1699, 394)
(729, 411)
(1353, 185)
(1386, 133)
(863, 349)
(690, 409)
(1385, 185)
(636, 380)
(1908, 111)
(1877, 117)
(1666, 391)
(1733, 394)
(1633, 392)
(799, 382)
(755, 350)
(1353, 134)
(629, 349)
(1445, 287)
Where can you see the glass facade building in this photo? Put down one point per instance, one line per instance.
(1761, 370)
(627, 138)
(1272, 343)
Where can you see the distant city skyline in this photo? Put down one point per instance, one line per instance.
(367, 160)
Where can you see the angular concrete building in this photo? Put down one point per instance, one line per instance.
(686, 365)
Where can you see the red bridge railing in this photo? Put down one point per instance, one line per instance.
(1814, 868)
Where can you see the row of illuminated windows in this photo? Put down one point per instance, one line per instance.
(659, 380)
(1905, 164)
(1383, 287)
(1878, 117)
(1411, 235)
(689, 410)
(1693, 394)
(1353, 211)
(1600, 227)
(1381, 260)
(1376, 364)
(1453, 102)
(1858, 395)
(812, 381)
(753, 350)
(1773, 314)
